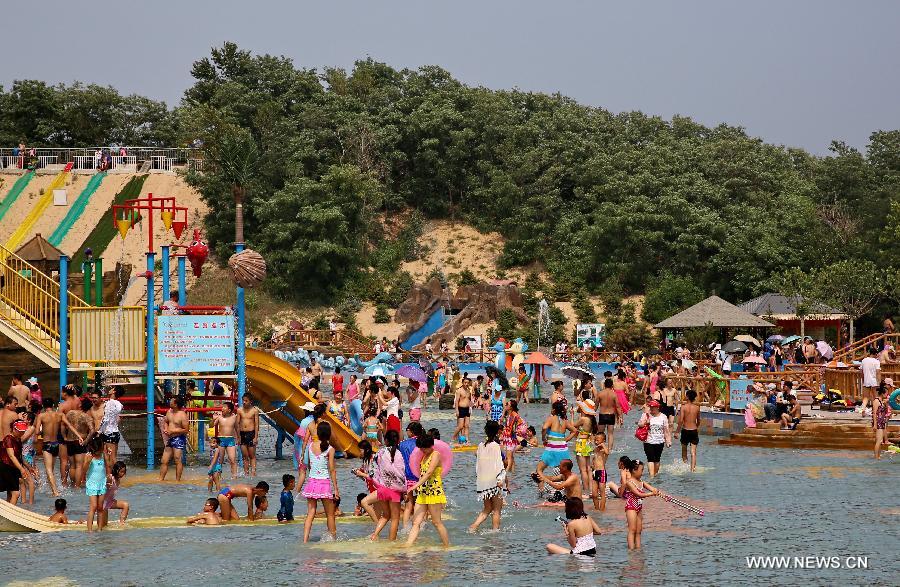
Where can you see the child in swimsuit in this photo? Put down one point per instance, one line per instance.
(113, 480)
(598, 464)
(209, 516)
(95, 484)
(580, 530)
(215, 466)
(372, 427)
(634, 493)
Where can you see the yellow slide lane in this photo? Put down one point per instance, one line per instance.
(42, 204)
(272, 380)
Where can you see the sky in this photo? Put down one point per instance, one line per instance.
(798, 72)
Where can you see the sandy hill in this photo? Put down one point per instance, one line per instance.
(24, 204)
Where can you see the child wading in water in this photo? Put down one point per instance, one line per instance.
(286, 511)
(109, 500)
(95, 484)
(598, 487)
(321, 481)
(580, 530)
(634, 493)
(430, 498)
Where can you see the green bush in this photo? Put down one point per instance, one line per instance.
(465, 277)
(584, 309)
(321, 322)
(381, 314)
(668, 295)
(399, 289)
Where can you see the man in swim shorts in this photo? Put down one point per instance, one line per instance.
(688, 423)
(248, 419)
(47, 424)
(462, 402)
(227, 425)
(175, 426)
(608, 410)
(227, 494)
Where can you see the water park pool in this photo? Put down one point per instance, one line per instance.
(757, 502)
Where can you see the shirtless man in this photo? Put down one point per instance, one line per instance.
(249, 424)
(77, 426)
(20, 391)
(316, 373)
(688, 423)
(227, 429)
(608, 411)
(69, 402)
(462, 401)
(567, 484)
(9, 413)
(96, 411)
(47, 423)
(108, 426)
(175, 426)
(240, 490)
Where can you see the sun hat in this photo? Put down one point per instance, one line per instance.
(308, 406)
(653, 403)
(889, 382)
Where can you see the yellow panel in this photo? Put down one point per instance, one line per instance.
(107, 335)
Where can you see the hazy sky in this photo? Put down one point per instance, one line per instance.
(793, 72)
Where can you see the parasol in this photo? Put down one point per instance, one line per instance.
(537, 358)
(734, 346)
(412, 373)
(790, 339)
(776, 338)
(755, 359)
(748, 339)
(580, 372)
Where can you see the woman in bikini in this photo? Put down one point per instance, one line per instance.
(881, 414)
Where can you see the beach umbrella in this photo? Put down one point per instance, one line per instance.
(582, 373)
(734, 346)
(755, 359)
(537, 358)
(776, 338)
(790, 339)
(412, 373)
(539, 361)
(748, 339)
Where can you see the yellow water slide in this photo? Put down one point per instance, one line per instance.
(273, 381)
(40, 207)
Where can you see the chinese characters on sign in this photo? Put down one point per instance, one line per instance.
(195, 344)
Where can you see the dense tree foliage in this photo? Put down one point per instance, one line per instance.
(78, 115)
(595, 197)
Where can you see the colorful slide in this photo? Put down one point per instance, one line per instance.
(76, 210)
(40, 207)
(276, 383)
(14, 193)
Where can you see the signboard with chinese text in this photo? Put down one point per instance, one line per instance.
(201, 344)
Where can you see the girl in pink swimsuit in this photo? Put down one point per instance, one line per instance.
(633, 494)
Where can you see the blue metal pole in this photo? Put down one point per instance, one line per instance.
(241, 338)
(182, 281)
(165, 274)
(63, 322)
(151, 362)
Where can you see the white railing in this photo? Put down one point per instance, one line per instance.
(161, 163)
(85, 162)
(45, 160)
(12, 162)
(126, 163)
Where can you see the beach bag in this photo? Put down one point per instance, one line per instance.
(642, 431)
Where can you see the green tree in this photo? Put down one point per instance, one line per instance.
(668, 295)
(800, 288)
(852, 287)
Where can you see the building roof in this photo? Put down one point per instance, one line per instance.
(779, 307)
(38, 249)
(716, 312)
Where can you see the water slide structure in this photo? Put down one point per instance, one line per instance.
(40, 207)
(276, 384)
(14, 192)
(76, 210)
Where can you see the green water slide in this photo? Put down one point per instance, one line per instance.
(13, 194)
(76, 210)
(106, 231)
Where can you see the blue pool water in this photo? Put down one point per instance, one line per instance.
(758, 502)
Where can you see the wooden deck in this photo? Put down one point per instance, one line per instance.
(810, 434)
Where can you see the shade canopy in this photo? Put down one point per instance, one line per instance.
(716, 312)
(779, 307)
(537, 358)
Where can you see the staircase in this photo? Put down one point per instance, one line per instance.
(810, 434)
(29, 307)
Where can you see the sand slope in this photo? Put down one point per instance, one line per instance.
(25, 203)
(95, 212)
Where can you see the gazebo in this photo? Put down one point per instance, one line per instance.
(783, 311)
(40, 253)
(715, 312)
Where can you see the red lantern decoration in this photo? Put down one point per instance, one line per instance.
(197, 252)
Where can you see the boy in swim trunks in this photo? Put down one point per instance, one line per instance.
(175, 426)
(688, 423)
(240, 490)
(208, 516)
(59, 516)
(262, 504)
(249, 435)
(227, 426)
(48, 424)
(215, 466)
(462, 402)
(598, 464)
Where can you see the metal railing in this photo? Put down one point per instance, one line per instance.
(169, 157)
(29, 300)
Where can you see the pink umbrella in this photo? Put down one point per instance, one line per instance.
(754, 359)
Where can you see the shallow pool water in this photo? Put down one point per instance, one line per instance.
(778, 502)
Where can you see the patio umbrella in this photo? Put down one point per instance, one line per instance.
(412, 373)
(775, 338)
(748, 339)
(734, 346)
(582, 373)
(790, 339)
(754, 359)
